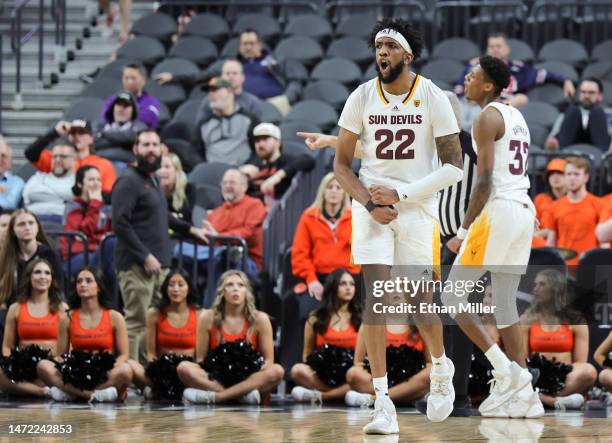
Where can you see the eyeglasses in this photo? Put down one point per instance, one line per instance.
(61, 156)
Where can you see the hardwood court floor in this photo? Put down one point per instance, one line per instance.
(162, 422)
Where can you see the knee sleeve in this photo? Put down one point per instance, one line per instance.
(504, 288)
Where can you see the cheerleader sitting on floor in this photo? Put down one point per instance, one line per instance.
(171, 338)
(235, 347)
(31, 331)
(408, 366)
(603, 357)
(555, 331)
(96, 367)
(330, 337)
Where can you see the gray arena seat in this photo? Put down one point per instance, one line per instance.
(196, 49)
(210, 26)
(156, 25)
(459, 49)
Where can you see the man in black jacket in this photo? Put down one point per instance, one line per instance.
(270, 170)
(143, 252)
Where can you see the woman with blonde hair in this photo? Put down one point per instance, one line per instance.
(556, 332)
(322, 240)
(234, 348)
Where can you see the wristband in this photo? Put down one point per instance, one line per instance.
(370, 205)
(462, 233)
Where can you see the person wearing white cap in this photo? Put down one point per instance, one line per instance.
(410, 150)
(269, 169)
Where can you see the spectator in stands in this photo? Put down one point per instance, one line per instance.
(5, 219)
(523, 77)
(241, 216)
(571, 220)
(133, 80)
(556, 331)
(603, 357)
(46, 194)
(585, 122)
(270, 170)
(267, 78)
(322, 240)
(121, 124)
(143, 253)
(11, 186)
(555, 189)
(604, 228)
(334, 323)
(87, 214)
(225, 131)
(79, 133)
(25, 241)
(232, 71)
(125, 11)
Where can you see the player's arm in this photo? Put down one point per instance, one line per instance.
(343, 171)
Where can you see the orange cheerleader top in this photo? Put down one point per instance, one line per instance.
(95, 339)
(213, 340)
(169, 337)
(405, 338)
(346, 338)
(561, 340)
(31, 328)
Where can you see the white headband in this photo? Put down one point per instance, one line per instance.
(392, 33)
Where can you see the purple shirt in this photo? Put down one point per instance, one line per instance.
(148, 109)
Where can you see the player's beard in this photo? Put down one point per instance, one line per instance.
(394, 72)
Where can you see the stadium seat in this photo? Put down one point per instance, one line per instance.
(164, 115)
(270, 113)
(352, 48)
(536, 162)
(548, 93)
(314, 111)
(266, 26)
(210, 26)
(370, 73)
(175, 66)
(538, 133)
(459, 49)
(156, 25)
(445, 70)
(561, 68)
(289, 128)
(178, 130)
(333, 93)
(607, 85)
(605, 174)
(208, 196)
(601, 70)
(309, 25)
(593, 279)
(187, 112)
(593, 152)
(171, 94)
(196, 49)
(304, 49)
(445, 86)
(358, 25)
(520, 50)
(295, 147)
(602, 51)
(541, 113)
(545, 257)
(86, 108)
(189, 156)
(337, 69)
(146, 50)
(563, 50)
(208, 173)
(102, 88)
(25, 171)
(115, 68)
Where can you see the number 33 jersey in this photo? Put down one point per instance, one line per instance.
(398, 132)
(510, 180)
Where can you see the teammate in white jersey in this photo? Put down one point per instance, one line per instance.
(407, 127)
(496, 236)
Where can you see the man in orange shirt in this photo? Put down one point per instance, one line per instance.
(241, 216)
(80, 135)
(604, 228)
(572, 219)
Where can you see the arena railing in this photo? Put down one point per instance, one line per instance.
(181, 257)
(280, 223)
(475, 20)
(17, 42)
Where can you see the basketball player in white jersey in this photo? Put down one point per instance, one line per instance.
(406, 127)
(496, 236)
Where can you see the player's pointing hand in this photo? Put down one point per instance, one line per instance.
(315, 140)
(381, 195)
(384, 214)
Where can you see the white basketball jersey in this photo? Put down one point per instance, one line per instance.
(398, 132)
(510, 180)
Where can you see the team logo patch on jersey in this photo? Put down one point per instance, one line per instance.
(417, 103)
(395, 108)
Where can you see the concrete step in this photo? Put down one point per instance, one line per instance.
(27, 116)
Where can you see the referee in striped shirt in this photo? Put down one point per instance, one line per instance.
(452, 205)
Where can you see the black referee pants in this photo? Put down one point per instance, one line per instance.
(457, 345)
